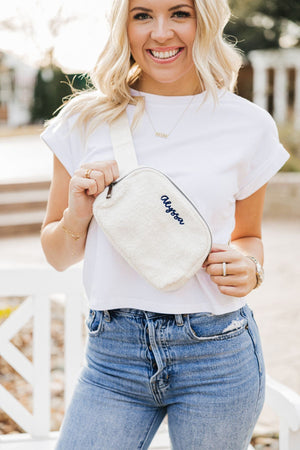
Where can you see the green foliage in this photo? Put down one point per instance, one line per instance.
(259, 24)
(242, 8)
(279, 9)
(290, 139)
(51, 86)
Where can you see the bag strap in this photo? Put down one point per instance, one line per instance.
(122, 142)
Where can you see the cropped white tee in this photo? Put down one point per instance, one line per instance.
(216, 155)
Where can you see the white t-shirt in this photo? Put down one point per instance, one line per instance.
(217, 155)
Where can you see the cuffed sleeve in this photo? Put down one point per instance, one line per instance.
(265, 159)
(64, 141)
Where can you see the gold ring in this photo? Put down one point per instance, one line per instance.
(88, 173)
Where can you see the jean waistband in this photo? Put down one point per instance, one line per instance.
(139, 313)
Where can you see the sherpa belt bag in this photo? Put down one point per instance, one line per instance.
(149, 220)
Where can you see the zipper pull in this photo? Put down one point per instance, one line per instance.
(109, 192)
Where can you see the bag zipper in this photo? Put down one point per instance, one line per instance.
(110, 188)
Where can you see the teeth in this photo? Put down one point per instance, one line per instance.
(165, 55)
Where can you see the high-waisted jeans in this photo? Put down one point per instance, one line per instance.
(206, 372)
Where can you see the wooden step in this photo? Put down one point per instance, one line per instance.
(23, 200)
(23, 205)
(13, 223)
(24, 184)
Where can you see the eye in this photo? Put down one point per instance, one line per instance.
(141, 16)
(181, 14)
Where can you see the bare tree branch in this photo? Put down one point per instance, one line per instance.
(23, 24)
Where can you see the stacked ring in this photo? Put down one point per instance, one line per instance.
(88, 173)
(224, 269)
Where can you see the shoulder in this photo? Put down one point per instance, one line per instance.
(75, 117)
(246, 112)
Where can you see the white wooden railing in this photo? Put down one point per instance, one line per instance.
(41, 284)
(280, 60)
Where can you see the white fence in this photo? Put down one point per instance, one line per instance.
(280, 61)
(39, 285)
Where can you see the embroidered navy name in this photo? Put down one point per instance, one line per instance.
(166, 201)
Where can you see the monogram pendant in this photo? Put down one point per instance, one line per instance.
(161, 135)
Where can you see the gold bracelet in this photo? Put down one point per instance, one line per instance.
(73, 235)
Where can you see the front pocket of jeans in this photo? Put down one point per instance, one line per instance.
(212, 328)
(94, 322)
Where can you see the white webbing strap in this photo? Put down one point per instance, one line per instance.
(123, 147)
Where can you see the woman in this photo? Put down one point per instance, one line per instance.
(194, 353)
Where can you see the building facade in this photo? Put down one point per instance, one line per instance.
(16, 90)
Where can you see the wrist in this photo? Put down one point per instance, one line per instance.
(74, 224)
(259, 271)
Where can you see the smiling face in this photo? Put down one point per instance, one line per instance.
(161, 35)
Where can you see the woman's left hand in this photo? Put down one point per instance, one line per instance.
(240, 276)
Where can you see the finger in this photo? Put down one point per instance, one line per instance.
(99, 177)
(79, 184)
(228, 256)
(111, 171)
(95, 175)
(102, 166)
(229, 280)
(214, 269)
(97, 171)
(217, 269)
(218, 258)
(216, 248)
(219, 248)
(108, 175)
(93, 187)
(233, 291)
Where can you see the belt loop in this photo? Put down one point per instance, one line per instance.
(106, 315)
(179, 320)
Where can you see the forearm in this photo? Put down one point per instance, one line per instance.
(64, 241)
(250, 246)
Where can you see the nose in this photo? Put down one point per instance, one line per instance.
(161, 31)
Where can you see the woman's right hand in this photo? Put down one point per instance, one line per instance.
(83, 190)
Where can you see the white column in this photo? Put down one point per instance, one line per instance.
(73, 343)
(41, 364)
(297, 99)
(260, 84)
(288, 439)
(280, 94)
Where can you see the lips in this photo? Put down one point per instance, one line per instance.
(165, 55)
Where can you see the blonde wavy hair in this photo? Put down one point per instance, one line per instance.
(217, 61)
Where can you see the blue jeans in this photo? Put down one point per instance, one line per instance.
(205, 372)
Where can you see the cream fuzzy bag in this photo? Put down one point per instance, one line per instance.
(149, 220)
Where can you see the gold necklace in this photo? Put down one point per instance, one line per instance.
(166, 135)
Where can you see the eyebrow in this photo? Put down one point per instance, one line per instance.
(141, 8)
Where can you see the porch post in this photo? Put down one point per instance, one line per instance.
(41, 366)
(280, 94)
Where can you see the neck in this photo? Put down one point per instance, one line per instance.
(168, 89)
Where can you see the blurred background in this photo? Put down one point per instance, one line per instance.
(44, 45)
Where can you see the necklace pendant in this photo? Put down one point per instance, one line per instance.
(161, 135)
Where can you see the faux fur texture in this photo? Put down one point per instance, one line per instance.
(164, 242)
